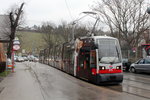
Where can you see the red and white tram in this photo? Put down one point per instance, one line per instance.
(97, 59)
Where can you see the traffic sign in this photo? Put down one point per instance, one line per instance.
(16, 42)
(16, 47)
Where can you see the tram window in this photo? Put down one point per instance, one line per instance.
(66, 54)
(87, 61)
(81, 60)
(71, 54)
(92, 60)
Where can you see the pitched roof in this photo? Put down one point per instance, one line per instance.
(4, 28)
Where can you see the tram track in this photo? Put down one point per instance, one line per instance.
(130, 85)
(131, 90)
(138, 91)
(139, 75)
(137, 81)
(137, 78)
(125, 87)
(137, 85)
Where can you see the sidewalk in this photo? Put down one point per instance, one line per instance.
(1, 79)
(20, 85)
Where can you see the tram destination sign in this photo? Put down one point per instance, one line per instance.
(5, 28)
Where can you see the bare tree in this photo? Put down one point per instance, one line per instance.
(53, 35)
(81, 31)
(64, 30)
(128, 18)
(15, 16)
(48, 33)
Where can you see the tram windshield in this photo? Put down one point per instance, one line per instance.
(109, 51)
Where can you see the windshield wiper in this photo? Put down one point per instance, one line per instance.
(117, 51)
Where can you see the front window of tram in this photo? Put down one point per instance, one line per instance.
(109, 51)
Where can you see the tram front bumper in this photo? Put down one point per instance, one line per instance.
(116, 77)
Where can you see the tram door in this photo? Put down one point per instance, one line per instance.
(84, 64)
(92, 71)
(87, 65)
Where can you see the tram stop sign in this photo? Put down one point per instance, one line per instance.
(16, 47)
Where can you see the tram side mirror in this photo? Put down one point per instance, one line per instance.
(96, 46)
(99, 59)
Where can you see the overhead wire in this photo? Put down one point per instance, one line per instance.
(68, 8)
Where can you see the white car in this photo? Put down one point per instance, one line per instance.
(19, 59)
(36, 59)
(25, 58)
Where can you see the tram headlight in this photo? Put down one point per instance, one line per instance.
(118, 67)
(102, 68)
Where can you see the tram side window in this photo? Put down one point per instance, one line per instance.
(71, 56)
(66, 54)
(53, 54)
(60, 52)
(56, 53)
(50, 54)
(81, 59)
(93, 59)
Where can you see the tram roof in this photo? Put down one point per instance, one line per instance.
(97, 37)
(102, 37)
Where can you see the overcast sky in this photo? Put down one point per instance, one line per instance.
(38, 11)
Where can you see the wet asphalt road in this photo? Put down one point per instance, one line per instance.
(57, 85)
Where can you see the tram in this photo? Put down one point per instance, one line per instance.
(97, 59)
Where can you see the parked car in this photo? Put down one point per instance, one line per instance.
(36, 59)
(20, 59)
(126, 64)
(25, 58)
(142, 65)
(30, 57)
(15, 58)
